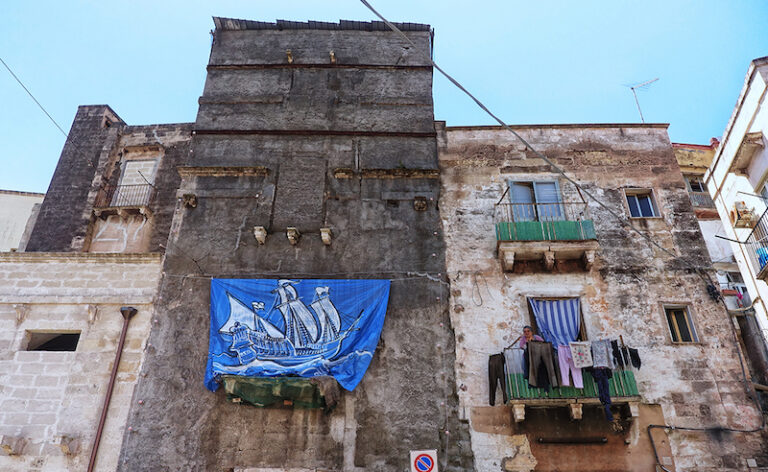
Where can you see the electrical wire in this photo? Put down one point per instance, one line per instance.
(610, 211)
(538, 154)
(33, 98)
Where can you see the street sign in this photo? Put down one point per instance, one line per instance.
(424, 461)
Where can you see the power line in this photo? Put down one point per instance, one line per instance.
(538, 154)
(650, 240)
(33, 98)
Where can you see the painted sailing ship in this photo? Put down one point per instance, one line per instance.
(309, 332)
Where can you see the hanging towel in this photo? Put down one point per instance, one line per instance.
(513, 358)
(581, 352)
(634, 357)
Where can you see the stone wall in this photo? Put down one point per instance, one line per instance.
(51, 401)
(696, 384)
(65, 215)
(15, 210)
(307, 144)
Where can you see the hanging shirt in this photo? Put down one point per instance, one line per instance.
(602, 354)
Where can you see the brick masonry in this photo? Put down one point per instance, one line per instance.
(52, 398)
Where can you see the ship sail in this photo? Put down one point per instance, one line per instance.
(330, 321)
(301, 327)
(238, 313)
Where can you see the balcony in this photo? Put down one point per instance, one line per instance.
(701, 200)
(544, 231)
(623, 389)
(757, 246)
(124, 199)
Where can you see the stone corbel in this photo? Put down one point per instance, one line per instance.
(634, 409)
(518, 412)
(589, 259)
(507, 260)
(326, 236)
(93, 313)
(549, 260)
(293, 235)
(575, 410)
(22, 310)
(69, 446)
(12, 445)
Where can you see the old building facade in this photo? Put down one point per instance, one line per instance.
(315, 155)
(503, 250)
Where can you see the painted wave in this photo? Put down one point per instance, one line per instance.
(341, 367)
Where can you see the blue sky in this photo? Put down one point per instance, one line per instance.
(531, 62)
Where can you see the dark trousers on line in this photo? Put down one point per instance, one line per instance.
(540, 361)
(496, 375)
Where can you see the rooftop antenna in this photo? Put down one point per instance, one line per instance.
(641, 86)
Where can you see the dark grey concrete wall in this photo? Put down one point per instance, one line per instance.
(65, 214)
(407, 399)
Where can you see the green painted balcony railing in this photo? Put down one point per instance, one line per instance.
(545, 231)
(621, 385)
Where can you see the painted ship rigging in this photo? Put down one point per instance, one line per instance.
(309, 332)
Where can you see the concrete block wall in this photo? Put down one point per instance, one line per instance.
(50, 399)
(699, 385)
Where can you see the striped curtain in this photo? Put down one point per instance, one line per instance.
(558, 320)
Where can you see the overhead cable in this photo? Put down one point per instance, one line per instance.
(538, 154)
(33, 98)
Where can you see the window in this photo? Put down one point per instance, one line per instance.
(641, 203)
(680, 324)
(52, 341)
(563, 317)
(695, 184)
(536, 201)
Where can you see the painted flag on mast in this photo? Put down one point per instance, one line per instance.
(294, 327)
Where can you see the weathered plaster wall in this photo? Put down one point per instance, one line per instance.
(694, 385)
(15, 211)
(47, 396)
(269, 140)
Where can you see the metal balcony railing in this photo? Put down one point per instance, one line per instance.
(543, 222)
(701, 200)
(757, 246)
(116, 196)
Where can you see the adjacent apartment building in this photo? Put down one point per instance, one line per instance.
(17, 213)
(736, 180)
(315, 156)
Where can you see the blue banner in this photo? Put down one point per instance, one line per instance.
(299, 327)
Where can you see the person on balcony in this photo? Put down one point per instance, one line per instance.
(528, 336)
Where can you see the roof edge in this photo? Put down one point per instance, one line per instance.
(561, 125)
(279, 25)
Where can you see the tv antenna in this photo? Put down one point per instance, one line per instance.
(641, 86)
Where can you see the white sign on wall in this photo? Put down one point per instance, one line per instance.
(424, 461)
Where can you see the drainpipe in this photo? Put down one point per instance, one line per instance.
(127, 312)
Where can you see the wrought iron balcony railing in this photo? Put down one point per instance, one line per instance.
(543, 222)
(757, 246)
(117, 196)
(701, 200)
